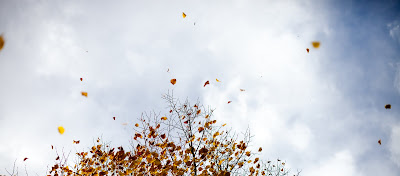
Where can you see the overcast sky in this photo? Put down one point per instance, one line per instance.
(322, 112)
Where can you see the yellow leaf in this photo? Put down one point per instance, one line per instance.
(84, 94)
(315, 44)
(164, 118)
(1, 42)
(224, 124)
(217, 80)
(61, 129)
(183, 15)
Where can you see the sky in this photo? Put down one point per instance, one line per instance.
(322, 112)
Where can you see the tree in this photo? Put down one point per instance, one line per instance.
(187, 142)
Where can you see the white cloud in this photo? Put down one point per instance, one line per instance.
(394, 144)
(394, 30)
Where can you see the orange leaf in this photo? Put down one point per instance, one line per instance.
(315, 44)
(173, 81)
(198, 112)
(25, 159)
(84, 94)
(164, 118)
(308, 50)
(207, 82)
(224, 124)
(217, 80)
(183, 15)
(136, 125)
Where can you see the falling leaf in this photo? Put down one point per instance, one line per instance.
(61, 129)
(58, 157)
(283, 163)
(183, 15)
(52, 147)
(25, 159)
(379, 142)
(114, 118)
(81, 79)
(173, 81)
(76, 142)
(217, 80)
(315, 44)
(388, 106)
(124, 124)
(170, 111)
(1, 42)
(229, 102)
(206, 116)
(198, 112)
(260, 149)
(224, 124)
(186, 122)
(282, 169)
(242, 90)
(207, 82)
(136, 125)
(84, 94)
(308, 50)
(164, 118)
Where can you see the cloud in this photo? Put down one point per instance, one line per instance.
(395, 143)
(394, 30)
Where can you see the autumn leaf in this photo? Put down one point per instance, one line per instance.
(58, 157)
(136, 125)
(173, 81)
(76, 142)
(198, 112)
(164, 118)
(61, 129)
(1, 42)
(84, 94)
(260, 149)
(52, 147)
(224, 124)
(200, 129)
(308, 50)
(183, 15)
(388, 106)
(315, 44)
(186, 122)
(170, 111)
(379, 142)
(114, 118)
(25, 159)
(229, 102)
(242, 90)
(207, 82)
(217, 80)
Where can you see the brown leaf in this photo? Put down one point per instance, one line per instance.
(242, 90)
(388, 106)
(379, 142)
(81, 79)
(229, 102)
(1, 42)
(25, 159)
(207, 82)
(315, 44)
(308, 50)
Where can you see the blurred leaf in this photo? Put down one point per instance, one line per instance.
(84, 94)
(217, 80)
(315, 44)
(25, 159)
(76, 142)
(136, 125)
(61, 129)
(164, 118)
(173, 81)
(207, 82)
(388, 106)
(379, 142)
(242, 90)
(1, 42)
(183, 15)
(308, 50)
(81, 79)
(114, 118)
(229, 102)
